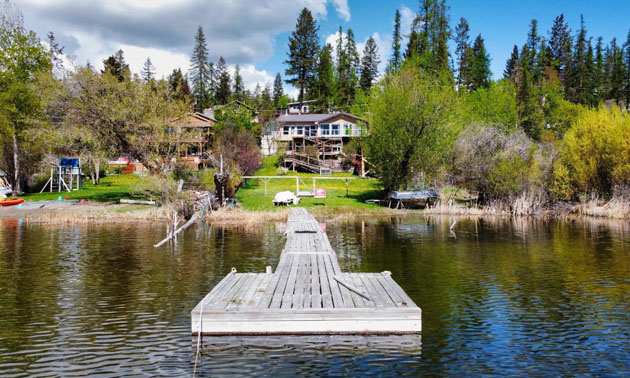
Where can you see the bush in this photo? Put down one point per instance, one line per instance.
(499, 165)
(596, 152)
(206, 178)
(181, 171)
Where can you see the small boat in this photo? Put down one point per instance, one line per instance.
(12, 202)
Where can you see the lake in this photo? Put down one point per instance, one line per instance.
(499, 297)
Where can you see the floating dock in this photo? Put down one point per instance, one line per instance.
(307, 294)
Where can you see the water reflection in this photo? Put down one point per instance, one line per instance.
(506, 296)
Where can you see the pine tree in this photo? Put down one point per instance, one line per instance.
(278, 91)
(117, 66)
(343, 69)
(394, 63)
(354, 62)
(560, 46)
(598, 72)
(179, 85)
(238, 84)
(626, 60)
(200, 72)
(430, 32)
(511, 64)
(543, 60)
(325, 82)
(579, 71)
(462, 42)
(616, 72)
(530, 54)
(148, 71)
(223, 82)
(590, 89)
(480, 65)
(303, 52)
(369, 64)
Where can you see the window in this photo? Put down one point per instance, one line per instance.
(299, 130)
(324, 129)
(335, 130)
(347, 129)
(285, 130)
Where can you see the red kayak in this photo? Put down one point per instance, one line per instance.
(12, 202)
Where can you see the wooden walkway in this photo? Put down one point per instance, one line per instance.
(307, 294)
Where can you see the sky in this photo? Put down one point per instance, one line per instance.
(254, 33)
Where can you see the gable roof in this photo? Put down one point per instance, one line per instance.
(316, 118)
(193, 119)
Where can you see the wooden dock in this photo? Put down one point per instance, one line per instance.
(307, 294)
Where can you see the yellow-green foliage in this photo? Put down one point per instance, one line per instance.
(495, 105)
(596, 153)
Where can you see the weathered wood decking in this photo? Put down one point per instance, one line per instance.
(307, 294)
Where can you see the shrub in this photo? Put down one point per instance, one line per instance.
(596, 151)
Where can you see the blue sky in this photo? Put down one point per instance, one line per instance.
(254, 34)
(501, 23)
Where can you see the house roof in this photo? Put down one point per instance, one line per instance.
(193, 119)
(315, 118)
(303, 102)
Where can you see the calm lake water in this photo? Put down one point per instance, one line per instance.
(499, 297)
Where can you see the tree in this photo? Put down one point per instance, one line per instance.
(579, 74)
(302, 55)
(462, 41)
(511, 64)
(480, 65)
(179, 86)
(369, 64)
(116, 66)
(325, 79)
(615, 72)
(626, 60)
(55, 51)
(128, 117)
(25, 66)
(409, 125)
(200, 72)
(238, 84)
(598, 72)
(223, 87)
(148, 71)
(430, 32)
(395, 61)
(278, 91)
(560, 46)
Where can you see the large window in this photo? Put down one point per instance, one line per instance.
(324, 129)
(335, 130)
(299, 130)
(285, 130)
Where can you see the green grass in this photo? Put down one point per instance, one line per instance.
(111, 189)
(252, 194)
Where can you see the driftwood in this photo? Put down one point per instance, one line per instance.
(137, 202)
(200, 215)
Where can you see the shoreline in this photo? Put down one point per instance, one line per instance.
(109, 213)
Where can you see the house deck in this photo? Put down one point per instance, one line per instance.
(307, 294)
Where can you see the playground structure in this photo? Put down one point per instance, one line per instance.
(65, 176)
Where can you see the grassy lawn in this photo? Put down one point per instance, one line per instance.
(252, 194)
(111, 189)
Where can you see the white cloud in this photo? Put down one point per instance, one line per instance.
(342, 8)
(406, 19)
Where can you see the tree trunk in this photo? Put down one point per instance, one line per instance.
(16, 165)
(95, 168)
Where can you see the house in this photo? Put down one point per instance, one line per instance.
(315, 141)
(303, 107)
(195, 134)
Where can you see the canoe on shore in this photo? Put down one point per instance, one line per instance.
(11, 202)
